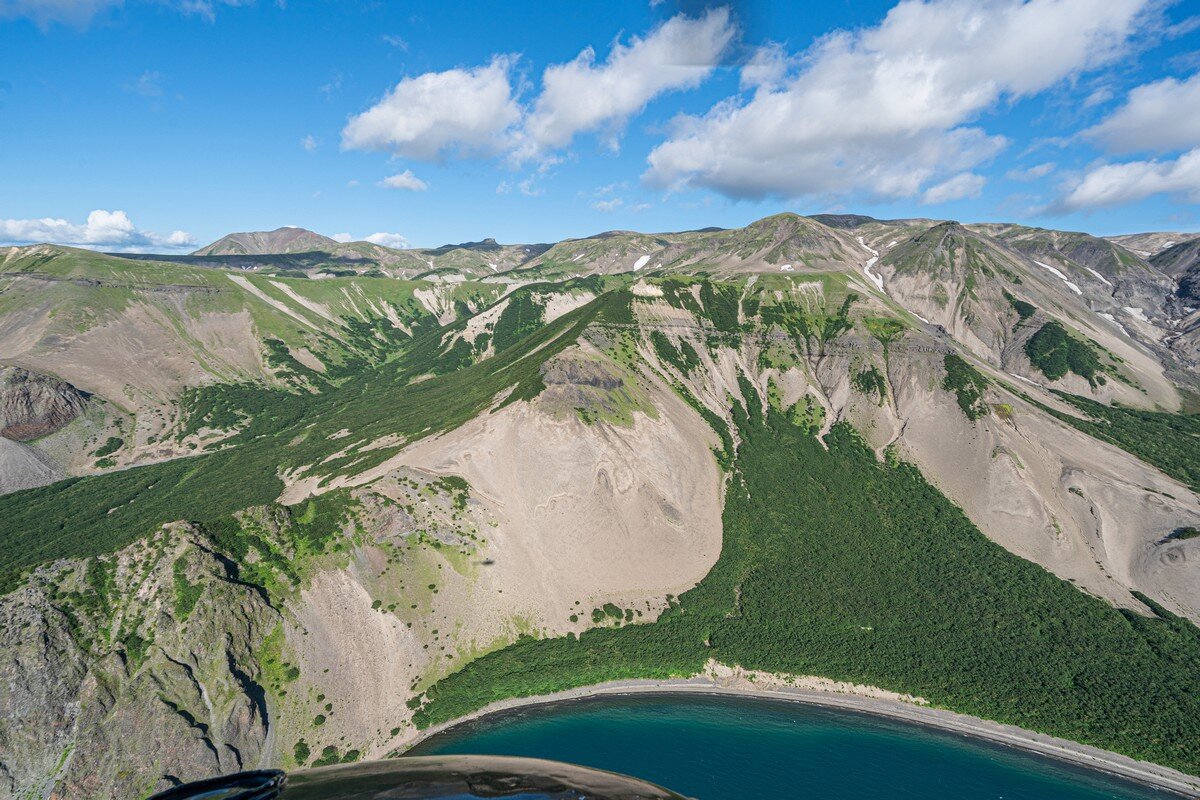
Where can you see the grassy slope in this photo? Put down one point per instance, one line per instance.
(87, 516)
(84, 290)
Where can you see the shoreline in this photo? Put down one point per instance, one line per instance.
(1082, 755)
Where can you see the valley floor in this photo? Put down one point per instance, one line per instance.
(721, 680)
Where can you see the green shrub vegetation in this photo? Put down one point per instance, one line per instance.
(1170, 442)
(1024, 310)
(1055, 352)
(110, 446)
(836, 564)
(871, 383)
(520, 317)
(684, 358)
(722, 302)
(967, 384)
(187, 594)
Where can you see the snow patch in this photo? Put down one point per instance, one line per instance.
(875, 279)
(1114, 321)
(641, 262)
(1099, 277)
(1136, 313)
(786, 268)
(1061, 275)
(870, 250)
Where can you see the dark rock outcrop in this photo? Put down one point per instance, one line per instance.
(34, 405)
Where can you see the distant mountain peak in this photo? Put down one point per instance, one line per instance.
(281, 240)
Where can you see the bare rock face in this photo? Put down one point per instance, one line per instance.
(34, 405)
(126, 674)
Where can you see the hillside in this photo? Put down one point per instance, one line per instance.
(939, 459)
(295, 252)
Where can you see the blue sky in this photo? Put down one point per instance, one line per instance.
(161, 125)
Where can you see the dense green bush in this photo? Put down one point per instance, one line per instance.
(967, 384)
(1024, 310)
(1055, 352)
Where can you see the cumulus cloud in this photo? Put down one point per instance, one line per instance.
(963, 185)
(1156, 117)
(461, 111)
(1117, 184)
(405, 181)
(766, 67)
(310, 143)
(104, 230)
(393, 240)
(582, 95)
(342, 237)
(886, 112)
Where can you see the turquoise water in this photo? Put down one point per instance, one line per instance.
(723, 748)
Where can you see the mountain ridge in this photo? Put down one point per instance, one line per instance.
(491, 476)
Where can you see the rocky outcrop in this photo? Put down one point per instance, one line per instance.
(126, 674)
(33, 405)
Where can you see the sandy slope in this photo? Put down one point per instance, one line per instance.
(573, 516)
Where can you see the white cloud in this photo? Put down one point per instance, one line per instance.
(437, 113)
(342, 237)
(309, 143)
(396, 41)
(766, 67)
(393, 240)
(1157, 117)
(104, 230)
(1034, 173)
(608, 205)
(963, 185)
(581, 95)
(1117, 184)
(885, 112)
(405, 181)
